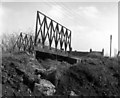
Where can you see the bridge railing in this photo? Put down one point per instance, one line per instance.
(24, 42)
(46, 28)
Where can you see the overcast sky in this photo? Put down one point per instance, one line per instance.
(91, 23)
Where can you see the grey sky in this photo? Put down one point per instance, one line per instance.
(91, 23)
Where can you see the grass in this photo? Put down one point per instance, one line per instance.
(94, 76)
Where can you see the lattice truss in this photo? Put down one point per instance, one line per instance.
(24, 42)
(53, 32)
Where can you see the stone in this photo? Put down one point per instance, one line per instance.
(72, 93)
(45, 87)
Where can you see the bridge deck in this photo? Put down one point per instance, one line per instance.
(51, 51)
(46, 53)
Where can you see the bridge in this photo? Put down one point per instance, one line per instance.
(48, 31)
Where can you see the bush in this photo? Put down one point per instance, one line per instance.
(8, 41)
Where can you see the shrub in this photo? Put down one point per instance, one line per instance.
(8, 41)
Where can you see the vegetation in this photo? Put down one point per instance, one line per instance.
(94, 76)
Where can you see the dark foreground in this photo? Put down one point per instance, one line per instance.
(93, 76)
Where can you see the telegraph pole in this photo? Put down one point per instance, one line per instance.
(110, 45)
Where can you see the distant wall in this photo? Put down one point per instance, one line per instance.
(80, 54)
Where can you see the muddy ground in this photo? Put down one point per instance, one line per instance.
(93, 76)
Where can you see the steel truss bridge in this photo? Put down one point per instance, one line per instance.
(47, 30)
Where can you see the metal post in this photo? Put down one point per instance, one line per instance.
(110, 45)
(35, 40)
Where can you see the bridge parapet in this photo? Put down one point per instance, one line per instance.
(24, 42)
(49, 30)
